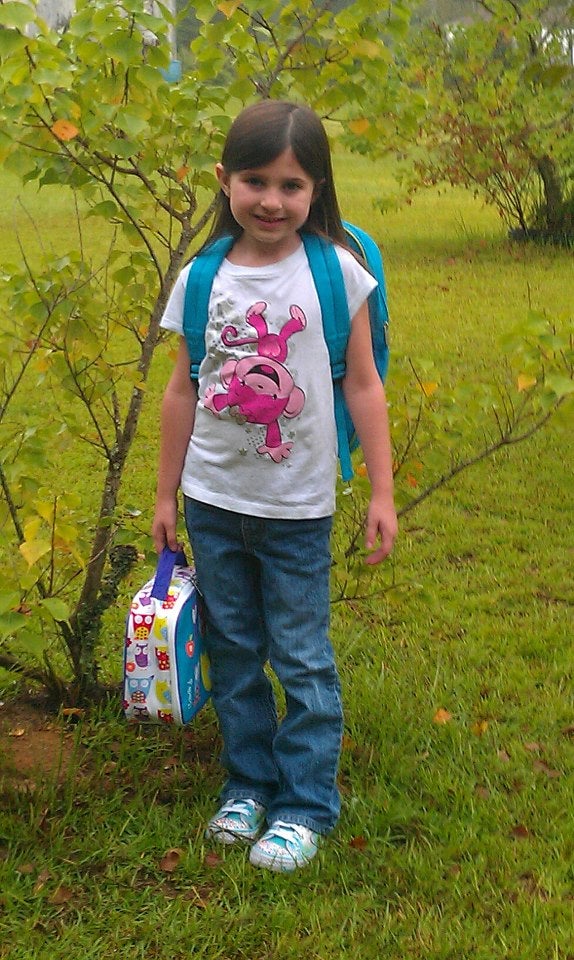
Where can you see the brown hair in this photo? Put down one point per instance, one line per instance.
(258, 136)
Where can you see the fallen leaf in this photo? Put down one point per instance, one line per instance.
(213, 859)
(358, 843)
(542, 767)
(483, 793)
(533, 747)
(520, 832)
(73, 713)
(17, 732)
(199, 896)
(171, 860)
(568, 731)
(171, 763)
(41, 880)
(61, 895)
(442, 716)
(503, 756)
(532, 886)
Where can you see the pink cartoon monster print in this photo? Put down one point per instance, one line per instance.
(259, 389)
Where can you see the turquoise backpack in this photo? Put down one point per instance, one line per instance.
(328, 280)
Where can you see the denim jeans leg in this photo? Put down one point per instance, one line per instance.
(237, 644)
(296, 563)
(266, 589)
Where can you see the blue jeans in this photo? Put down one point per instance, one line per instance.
(265, 584)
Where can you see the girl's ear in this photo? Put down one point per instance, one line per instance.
(222, 177)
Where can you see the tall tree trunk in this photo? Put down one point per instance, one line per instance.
(553, 196)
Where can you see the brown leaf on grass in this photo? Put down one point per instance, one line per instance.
(520, 832)
(26, 869)
(482, 792)
(171, 763)
(73, 713)
(533, 747)
(442, 716)
(199, 896)
(568, 731)
(503, 756)
(61, 895)
(170, 860)
(41, 880)
(213, 859)
(542, 767)
(532, 887)
(358, 843)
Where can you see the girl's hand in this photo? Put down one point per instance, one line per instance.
(381, 524)
(164, 526)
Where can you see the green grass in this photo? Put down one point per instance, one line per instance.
(456, 840)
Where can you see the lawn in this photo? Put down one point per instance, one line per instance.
(456, 840)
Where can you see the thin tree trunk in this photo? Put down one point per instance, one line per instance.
(553, 196)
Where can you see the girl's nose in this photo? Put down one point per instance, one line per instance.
(271, 200)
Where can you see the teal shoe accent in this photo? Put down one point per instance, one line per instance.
(237, 820)
(284, 847)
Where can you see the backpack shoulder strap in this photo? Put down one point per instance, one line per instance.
(368, 249)
(330, 285)
(197, 292)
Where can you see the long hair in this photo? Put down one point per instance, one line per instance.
(257, 137)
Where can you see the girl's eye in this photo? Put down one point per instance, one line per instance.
(292, 186)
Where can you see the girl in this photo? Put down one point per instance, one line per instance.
(253, 448)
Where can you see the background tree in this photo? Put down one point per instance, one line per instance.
(495, 96)
(90, 111)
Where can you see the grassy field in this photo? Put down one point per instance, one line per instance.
(457, 835)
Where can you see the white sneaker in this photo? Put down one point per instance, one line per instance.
(284, 847)
(237, 820)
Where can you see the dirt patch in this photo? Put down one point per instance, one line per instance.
(34, 744)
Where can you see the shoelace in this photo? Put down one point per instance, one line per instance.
(288, 832)
(243, 808)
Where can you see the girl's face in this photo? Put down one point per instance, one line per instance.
(271, 204)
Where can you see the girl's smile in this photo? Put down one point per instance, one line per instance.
(270, 203)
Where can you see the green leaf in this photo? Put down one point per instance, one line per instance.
(11, 623)
(10, 41)
(13, 14)
(8, 600)
(56, 608)
(106, 209)
(560, 385)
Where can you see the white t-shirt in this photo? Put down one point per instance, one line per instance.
(264, 440)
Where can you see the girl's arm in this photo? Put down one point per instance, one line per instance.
(365, 397)
(177, 418)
